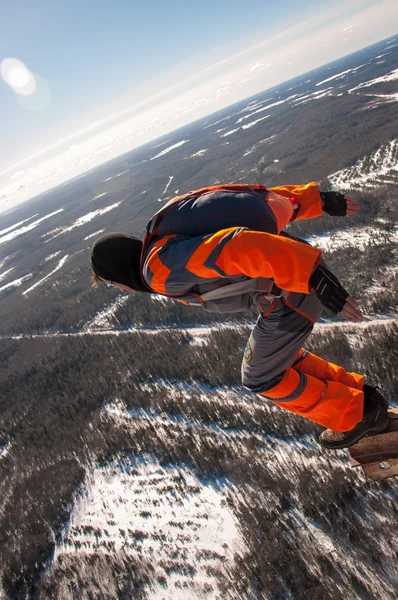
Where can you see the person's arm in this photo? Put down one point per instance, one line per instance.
(313, 203)
(307, 196)
(177, 263)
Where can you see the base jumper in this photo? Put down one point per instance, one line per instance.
(224, 248)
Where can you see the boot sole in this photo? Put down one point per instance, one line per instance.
(346, 444)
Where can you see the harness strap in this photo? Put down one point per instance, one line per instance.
(261, 284)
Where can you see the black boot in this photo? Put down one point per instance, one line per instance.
(374, 420)
(372, 398)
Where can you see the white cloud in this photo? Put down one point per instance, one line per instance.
(257, 67)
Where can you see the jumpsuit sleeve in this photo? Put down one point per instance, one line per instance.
(308, 196)
(175, 264)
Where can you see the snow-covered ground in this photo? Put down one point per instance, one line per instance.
(169, 149)
(13, 232)
(16, 283)
(304, 98)
(253, 123)
(12, 227)
(88, 237)
(114, 177)
(4, 450)
(163, 515)
(5, 273)
(99, 196)
(199, 153)
(339, 75)
(171, 177)
(370, 172)
(57, 268)
(105, 317)
(80, 221)
(358, 237)
(262, 109)
(392, 76)
(51, 256)
(183, 526)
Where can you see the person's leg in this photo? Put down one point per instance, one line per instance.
(310, 364)
(374, 407)
(268, 370)
(331, 404)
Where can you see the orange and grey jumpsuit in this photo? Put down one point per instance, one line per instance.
(231, 237)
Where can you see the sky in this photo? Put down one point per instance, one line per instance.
(98, 78)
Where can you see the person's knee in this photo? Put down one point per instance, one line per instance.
(260, 383)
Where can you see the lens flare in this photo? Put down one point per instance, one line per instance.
(17, 75)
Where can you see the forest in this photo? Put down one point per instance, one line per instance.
(52, 405)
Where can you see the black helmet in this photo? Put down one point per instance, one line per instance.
(116, 257)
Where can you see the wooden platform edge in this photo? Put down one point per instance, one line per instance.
(378, 454)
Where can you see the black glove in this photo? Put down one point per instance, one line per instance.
(334, 204)
(328, 289)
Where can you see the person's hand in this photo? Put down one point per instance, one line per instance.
(351, 310)
(352, 206)
(338, 205)
(333, 296)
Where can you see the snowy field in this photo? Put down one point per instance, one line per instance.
(359, 237)
(163, 515)
(183, 526)
(370, 172)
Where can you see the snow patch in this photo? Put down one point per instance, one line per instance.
(4, 450)
(169, 149)
(303, 99)
(104, 319)
(113, 177)
(248, 125)
(99, 196)
(16, 282)
(200, 153)
(392, 76)
(379, 168)
(94, 234)
(57, 268)
(16, 233)
(81, 221)
(51, 256)
(339, 75)
(3, 231)
(262, 109)
(4, 275)
(358, 237)
(161, 514)
(230, 132)
(171, 177)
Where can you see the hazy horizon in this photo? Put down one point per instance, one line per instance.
(190, 89)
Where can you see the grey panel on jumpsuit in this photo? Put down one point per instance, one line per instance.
(276, 340)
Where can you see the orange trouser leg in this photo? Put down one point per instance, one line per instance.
(329, 403)
(326, 371)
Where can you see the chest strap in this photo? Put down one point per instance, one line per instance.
(260, 284)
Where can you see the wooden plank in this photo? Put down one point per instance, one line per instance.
(377, 473)
(378, 454)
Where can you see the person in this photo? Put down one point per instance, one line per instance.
(224, 248)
